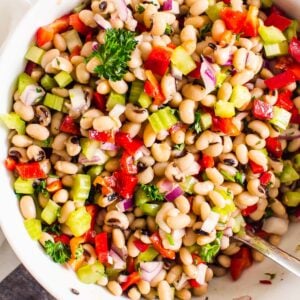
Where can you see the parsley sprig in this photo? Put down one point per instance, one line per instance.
(152, 192)
(115, 53)
(196, 126)
(59, 252)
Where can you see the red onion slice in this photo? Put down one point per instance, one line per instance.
(165, 186)
(149, 270)
(167, 5)
(32, 94)
(171, 196)
(119, 264)
(121, 8)
(201, 271)
(208, 75)
(125, 205)
(108, 146)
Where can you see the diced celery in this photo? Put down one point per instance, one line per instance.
(48, 82)
(24, 186)
(114, 99)
(149, 255)
(278, 49)
(94, 171)
(91, 273)
(239, 223)
(50, 212)
(288, 174)
(281, 117)
(34, 228)
(35, 54)
(291, 199)
(144, 100)
(296, 162)
(205, 120)
(140, 197)
(54, 102)
(112, 273)
(240, 96)
(213, 11)
(23, 81)
(79, 221)
(63, 79)
(227, 176)
(150, 209)
(271, 34)
(224, 109)
(72, 39)
(188, 184)
(220, 78)
(81, 187)
(291, 31)
(137, 87)
(89, 147)
(182, 60)
(163, 119)
(267, 3)
(13, 121)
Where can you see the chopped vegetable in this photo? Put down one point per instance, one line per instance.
(208, 75)
(281, 118)
(277, 49)
(157, 245)
(213, 11)
(35, 54)
(182, 60)
(288, 174)
(50, 212)
(101, 245)
(34, 228)
(79, 221)
(158, 61)
(250, 28)
(140, 245)
(273, 146)
(68, 125)
(81, 187)
(137, 87)
(114, 99)
(239, 262)
(294, 49)
(224, 109)
(124, 140)
(152, 192)
(280, 80)
(262, 110)
(162, 119)
(125, 184)
(291, 199)
(59, 252)
(152, 88)
(271, 34)
(234, 20)
(54, 102)
(91, 273)
(24, 186)
(115, 53)
(240, 96)
(31, 170)
(196, 126)
(277, 20)
(63, 79)
(13, 121)
(132, 279)
(209, 251)
(149, 255)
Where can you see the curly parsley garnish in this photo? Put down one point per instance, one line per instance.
(152, 192)
(115, 53)
(59, 252)
(179, 147)
(196, 126)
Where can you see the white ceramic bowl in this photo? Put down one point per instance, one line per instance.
(58, 280)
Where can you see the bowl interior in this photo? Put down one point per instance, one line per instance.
(58, 280)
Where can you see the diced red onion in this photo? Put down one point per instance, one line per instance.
(249, 86)
(99, 158)
(77, 98)
(201, 271)
(149, 270)
(208, 75)
(176, 192)
(95, 46)
(289, 137)
(165, 185)
(275, 225)
(210, 222)
(121, 8)
(108, 146)
(181, 282)
(224, 242)
(228, 231)
(125, 205)
(176, 73)
(119, 264)
(228, 62)
(29, 67)
(102, 22)
(122, 252)
(167, 5)
(32, 94)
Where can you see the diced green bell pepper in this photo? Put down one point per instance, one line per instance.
(149, 255)
(150, 209)
(291, 31)
(24, 186)
(291, 199)
(288, 174)
(91, 273)
(94, 171)
(213, 11)
(240, 96)
(79, 221)
(224, 109)
(182, 60)
(271, 34)
(277, 49)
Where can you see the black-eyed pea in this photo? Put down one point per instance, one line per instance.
(206, 239)
(214, 176)
(188, 33)
(149, 136)
(115, 288)
(59, 42)
(73, 147)
(159, 168)
(254, 187)
(183, 294)
(257, 93)
(144, 287)
(136, 59)
(66, 167)
(259, 158)
(183, 204)
(209, 275)
(235, 188)
(118, 238)
(55, 123)
(60, 141)
(266, 74)
(119, 87)
(131, 128)
(194, 92)
(146, 176)
(22, 141)
(67, 180)
(164, 291)
(134, 294)
(240, 58)
(275, 239)
(203, 188)
(242, 77)
(217, 199)
(246, 199)
(294, 145)
(257, 256)
(190, 270)
(24, 111)
(187, 111)
(278, 208)
(136, 114)
(254, 141)
(60, 63)
(61, 196)
(92, 64)
(168, 86)
(35, 153)
(224, 260)
(49, 56)
(161, 276)
(27, 207)
(82, 75)
(189, 238)
(178, 222)
(225, 91)
(174, 274)
(37, 131)
(103, 123)
(241, 152)
(87, 17)
(161, 152)
(260, 127)
(205, 210)
(185, 256)
(45, 237)
(218, 29)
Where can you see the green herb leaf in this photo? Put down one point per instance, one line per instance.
(40, 187)
(268, 213)
(168, 30)
(115, 53)
(179, 147)
(271, 275)
(196, 126)
(79, 252)
(53, 228)
(152, 192)
(239, 178)
(209, 251)
(170, 239)
(140, 9)
(205, 30)
(59, 252)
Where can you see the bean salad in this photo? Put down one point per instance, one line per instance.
(145, 134)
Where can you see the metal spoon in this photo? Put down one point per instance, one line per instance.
(284, 259)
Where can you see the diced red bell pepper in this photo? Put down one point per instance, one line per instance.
(61, 24)
(273, 146)
(68, 125)
(130, 261)
(30, 170)
(54, 186)
(89, 36)
(279, 21)
(158, 61)
(281, 80)
(227, 1)
(63, 238)
(249, 210)
(171, 45)
(194, 283)
(206, 161)
(295, 69)
(234, 20)
(262, 110)
(10, 164)
(239, 262)
(197, 260)
(284, 100)
(76, 51)
(152, 88)
(125, 184)
(251, 23)
(224, 125)
(255, 168)
(78, 25)
(140, 245)
(265, 178)
(196, 72)
(132, 279)
(99, 101)
(92, 209)
(295, 118)
(157, 245)
(101, 247)
(104, 137)
(294, 49)
(123, 139)
(276, 10)
(127, 164)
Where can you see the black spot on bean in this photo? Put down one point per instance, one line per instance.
(103, 5)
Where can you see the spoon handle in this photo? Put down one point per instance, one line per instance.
(284, 259)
